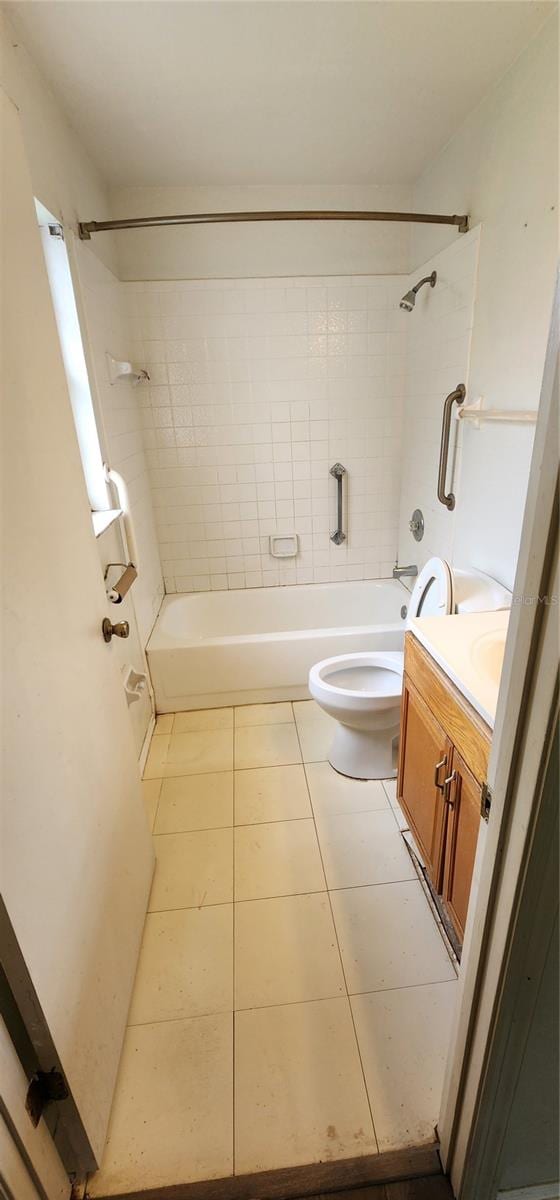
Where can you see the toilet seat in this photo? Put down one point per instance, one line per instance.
(432, 594)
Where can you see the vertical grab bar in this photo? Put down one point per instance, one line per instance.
(338, 471)
(122, 492)
(455, 397)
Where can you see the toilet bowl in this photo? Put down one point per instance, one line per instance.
(363, 691)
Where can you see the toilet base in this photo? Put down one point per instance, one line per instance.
(364, 753)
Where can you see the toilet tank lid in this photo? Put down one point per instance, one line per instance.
(476, 592)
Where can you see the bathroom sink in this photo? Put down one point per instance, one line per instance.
(487, 653)
(469, 647)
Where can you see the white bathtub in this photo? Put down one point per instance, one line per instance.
(251, 646)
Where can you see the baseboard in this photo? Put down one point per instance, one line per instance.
(146, 745)
(296, 1183)
(537, 1191)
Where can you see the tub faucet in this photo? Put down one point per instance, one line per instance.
(404, 572)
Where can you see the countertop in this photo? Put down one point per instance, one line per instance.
(469, 647)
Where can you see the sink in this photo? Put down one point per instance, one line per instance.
(487, 653)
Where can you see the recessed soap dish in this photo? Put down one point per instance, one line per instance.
(283, 545)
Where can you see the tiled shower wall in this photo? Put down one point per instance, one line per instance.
(257, 388)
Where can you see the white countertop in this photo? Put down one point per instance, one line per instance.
(469, 647)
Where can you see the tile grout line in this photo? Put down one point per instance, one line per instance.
(342, 968)
(220, 1012)
(154, 822)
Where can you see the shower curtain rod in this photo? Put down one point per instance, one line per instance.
(86, 228)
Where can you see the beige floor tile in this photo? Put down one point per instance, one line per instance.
(316, 738)
(400, 818)
(390, 787)
(197, 753)
(192, 869)
(195, 802)
(388, 938)
(186, 965)
(164, 723)
(286, 951)
(203, 718)
(332, 793)
(263, 714)
(299, 1090)
(309, 710)
(271, 794)
(172, 1116)
(280, 859)
(403, 1037)
(266, 746)
(150, 794)
(361, 848)
(157, 757)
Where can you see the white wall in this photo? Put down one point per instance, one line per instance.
(502, 168)
(258, 387)
(440, 328)
(63, 176)
(270, 249)
(121, 415)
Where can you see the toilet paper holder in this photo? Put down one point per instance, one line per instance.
(118, 590)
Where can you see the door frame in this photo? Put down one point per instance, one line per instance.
(503, 885)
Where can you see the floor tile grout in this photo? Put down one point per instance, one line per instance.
(290, 895)
(344, 973)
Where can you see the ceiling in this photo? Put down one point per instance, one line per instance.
(230, 92)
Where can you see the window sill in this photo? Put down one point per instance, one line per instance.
(101, 520)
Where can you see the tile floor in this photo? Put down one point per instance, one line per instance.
(294, 993)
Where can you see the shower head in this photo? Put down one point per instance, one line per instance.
(409, 300)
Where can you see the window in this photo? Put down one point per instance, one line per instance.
(69, 332)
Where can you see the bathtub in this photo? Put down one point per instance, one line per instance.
(256, 645)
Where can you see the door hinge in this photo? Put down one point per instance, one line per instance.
(56, 231)
(485, 801)
(45, 1088)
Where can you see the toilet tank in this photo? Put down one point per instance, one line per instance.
(473, 591)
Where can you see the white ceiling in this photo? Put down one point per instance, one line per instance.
(271, 92)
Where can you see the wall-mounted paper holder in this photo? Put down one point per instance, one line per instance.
(117, 591)
(134, 683)
(120, 369)
(283, 545)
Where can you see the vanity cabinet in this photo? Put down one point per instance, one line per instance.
(443, 760)
(463, 822)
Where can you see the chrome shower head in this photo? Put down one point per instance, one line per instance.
(409, 300)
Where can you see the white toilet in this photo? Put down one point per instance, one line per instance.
(363, 691)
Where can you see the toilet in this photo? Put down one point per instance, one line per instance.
(363, 691)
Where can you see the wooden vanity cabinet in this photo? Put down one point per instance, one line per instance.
(443, 759)
(424, 767)
(463, 823)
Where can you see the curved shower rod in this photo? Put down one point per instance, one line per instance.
(86, 228)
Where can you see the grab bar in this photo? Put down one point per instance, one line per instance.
(455, 397)
(122, 492)
(338, 471)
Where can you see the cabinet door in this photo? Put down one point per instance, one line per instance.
(463, 802)
(425, 755)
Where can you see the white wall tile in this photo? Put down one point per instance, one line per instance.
(258, 386)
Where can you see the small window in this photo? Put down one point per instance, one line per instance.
(69, 332)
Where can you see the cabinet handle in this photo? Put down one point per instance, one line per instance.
(441, 763)
(447, 788)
